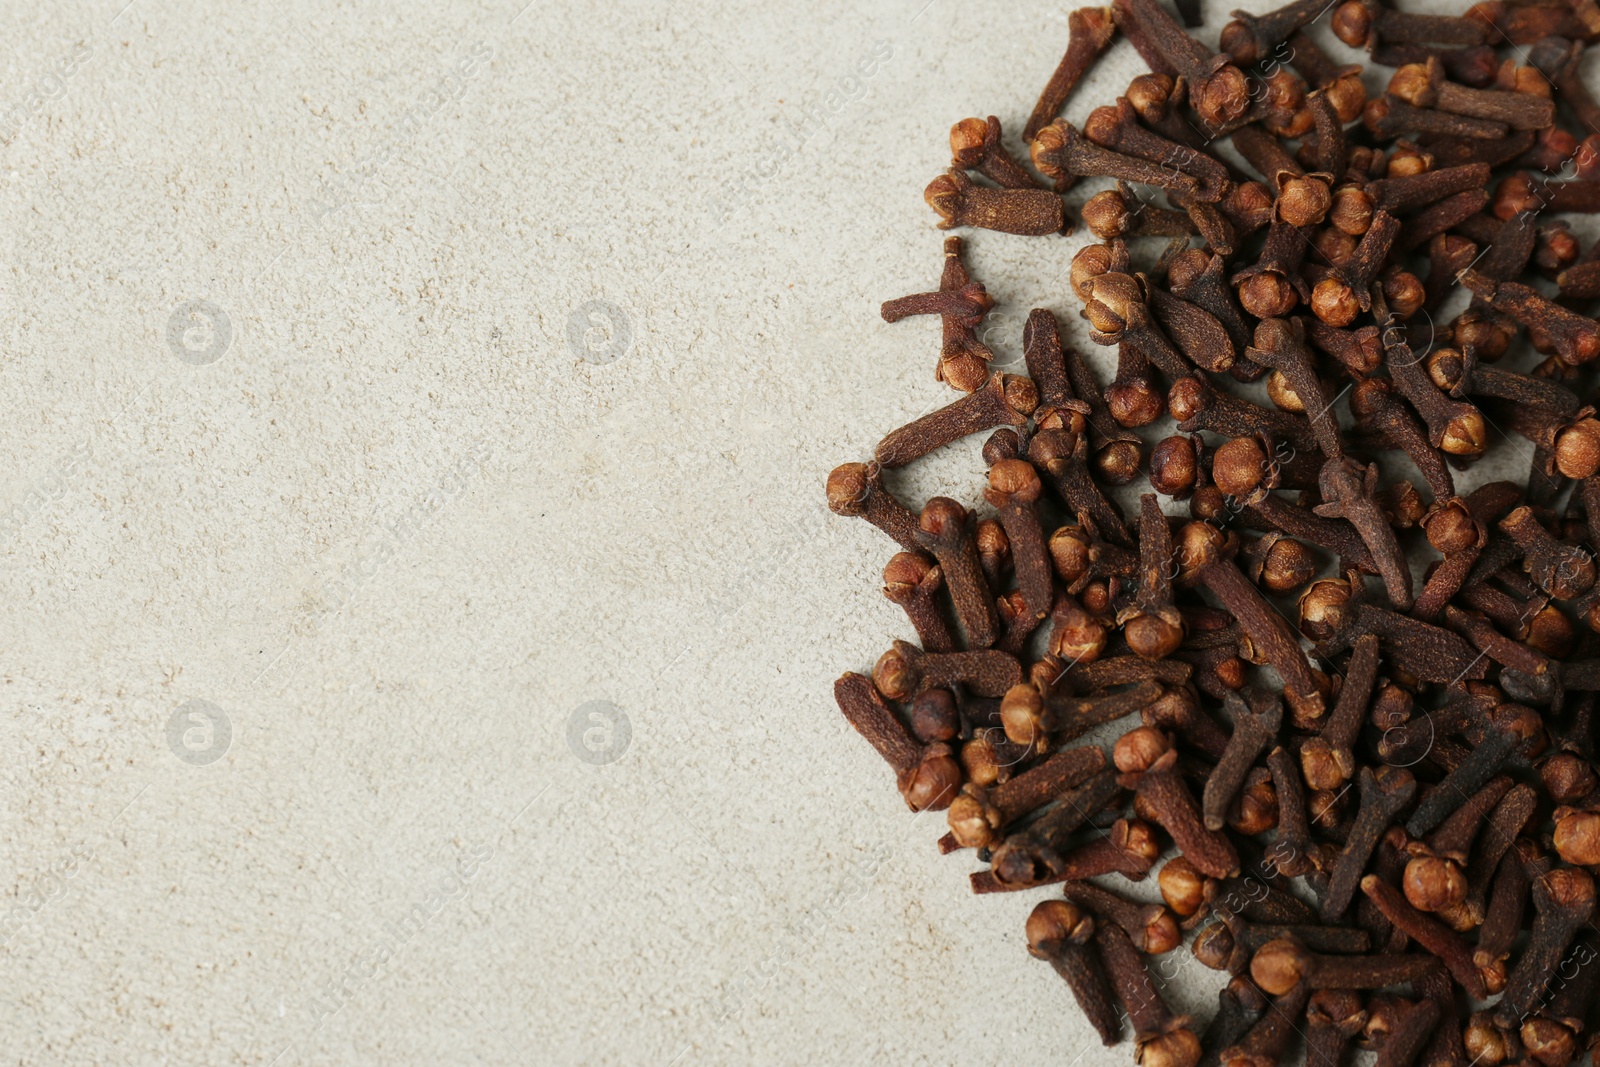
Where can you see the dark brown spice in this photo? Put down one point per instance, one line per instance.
(1089, 33)
(1036, 855)
(1163, 789)
(1464, 713)
(1059, 933)
(975, 145)
(1563, 901)
(1064, 155)
(912, 580)
(945, 529)
(1028, 212)
(1254, 728)
(1007, 400)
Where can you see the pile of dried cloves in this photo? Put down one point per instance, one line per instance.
(1365, 700)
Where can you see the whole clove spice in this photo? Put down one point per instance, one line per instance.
(1430, 771)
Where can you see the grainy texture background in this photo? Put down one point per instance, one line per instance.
(422, 609)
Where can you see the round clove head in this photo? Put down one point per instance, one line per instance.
(1433, 883)
(1173, 466)
(1514, 195)
(1324, 608)
(1113, 299)
(1323, 766)
(1138, 839)
(1577, 837)
(1351, 211)
(1519, 79)
(981, 763)
(1304, 200)
(1046, 152)
(1069, 551)
(1289, 564)
(1160, 932)
(1567, 777)
(1494, 973)
(1222, 97)
(1118, 462)
(1107, 215)
(1013, 479)
(1214, 946)
(1352, 23)
(1255, 809)
(1172, 710)
(932, 784)
(1188, 397)
(1408, 161)
(1150, 94)
(1485, 1042)
(969, 143)
(1054, 922)
(1567, 888)
(943, 518)
(1240, 466)
(1155, 635)
(1137, 402)
(944, 194)
(1096, 600)
(1250, 202)
(1404, 292)
(1285, 93)
(1175, 1048)
(895, 676)
(1138, 749)
(1334, 245)
(1465, 435)
(1077, 636)
(1182, 886)
(973, 823)
(1022, 714)
(1090, 263)
(1549, 1042)
(1002, 444)
(1282, 394)
(1278, 966)
(1348, 95)
(934, 716)
(1391, 706)
(1268, 295)
(1186, 267)
(1577, 449)
(1239, 40)
(1488, 334)
(1450, 527)
(1200, 544)
(1209, 504)
(1551, 632)
(1413, 84)
(1557, 248)
(964, 371)
(1327, 807)
(903, 573)
(1334, 302)
(849, 485)
(1012, 606)
(1587, 158)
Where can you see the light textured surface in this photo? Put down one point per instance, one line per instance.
(422, 508)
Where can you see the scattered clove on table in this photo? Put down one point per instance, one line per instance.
(1330, 684)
